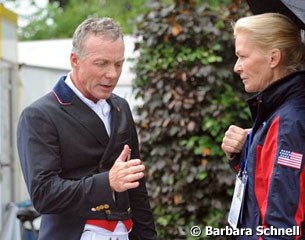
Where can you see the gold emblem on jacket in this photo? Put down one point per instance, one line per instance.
(101, 208)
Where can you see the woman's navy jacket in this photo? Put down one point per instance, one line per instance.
(275, 193)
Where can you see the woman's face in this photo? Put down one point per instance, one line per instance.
(252, 65)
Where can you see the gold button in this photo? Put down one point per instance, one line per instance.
(106, 206)
(108, 212)
(93, 209)
(101, 207)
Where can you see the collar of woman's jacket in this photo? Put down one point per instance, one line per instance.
(264, 103)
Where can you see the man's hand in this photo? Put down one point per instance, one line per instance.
(234, 140)
(125, 174)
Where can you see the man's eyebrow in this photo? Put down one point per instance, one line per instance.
(107, 60)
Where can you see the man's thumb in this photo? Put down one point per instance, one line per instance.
(124, 154)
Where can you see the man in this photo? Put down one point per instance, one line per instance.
(79, 151)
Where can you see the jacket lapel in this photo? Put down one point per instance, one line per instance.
(115, 120)
(76, 108)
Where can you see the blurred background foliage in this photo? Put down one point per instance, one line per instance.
(184, 76)
(190, 95)
(58, 19)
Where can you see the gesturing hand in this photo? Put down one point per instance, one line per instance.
(234, 140)
(124, 174)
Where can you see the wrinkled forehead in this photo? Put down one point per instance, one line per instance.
(104, 47)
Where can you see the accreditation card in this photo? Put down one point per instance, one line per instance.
(237, 201)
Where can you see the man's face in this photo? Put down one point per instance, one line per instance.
(253, 64)
(97, 71)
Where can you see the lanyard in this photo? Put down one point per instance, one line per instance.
(246, 156)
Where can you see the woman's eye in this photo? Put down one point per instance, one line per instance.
(119, 64)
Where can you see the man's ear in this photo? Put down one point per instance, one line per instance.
(73, 59)
(275, 57)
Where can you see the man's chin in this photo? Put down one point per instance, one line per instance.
(104, 96)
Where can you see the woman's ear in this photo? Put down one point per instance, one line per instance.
(275, 57)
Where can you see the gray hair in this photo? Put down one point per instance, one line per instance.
(103, 27)
(273, 30)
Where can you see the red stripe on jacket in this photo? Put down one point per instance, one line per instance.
(264, 166)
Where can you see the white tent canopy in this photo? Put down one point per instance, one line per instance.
(55, 54)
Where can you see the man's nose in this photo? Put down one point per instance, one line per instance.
(112, 72)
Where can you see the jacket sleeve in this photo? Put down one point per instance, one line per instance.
(280, 175)
(234, 162)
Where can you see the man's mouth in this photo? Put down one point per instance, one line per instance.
(105, 86)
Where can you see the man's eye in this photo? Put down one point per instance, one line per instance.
(100, 64)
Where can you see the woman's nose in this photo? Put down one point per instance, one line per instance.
(237, 67)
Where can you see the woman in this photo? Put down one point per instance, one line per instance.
(269, 158)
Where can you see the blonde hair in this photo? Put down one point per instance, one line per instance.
(274, 30)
